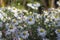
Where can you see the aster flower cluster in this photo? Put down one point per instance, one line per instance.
(22, 24)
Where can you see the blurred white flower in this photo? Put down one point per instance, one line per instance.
(52, 17)
(33, 6)
(37, 4)
(24, 11)
(58, 32)
(25, 17)
(20, 39)
(58, 2)
(14, 22)
(8, 18)
(57, 19)
(19, 19)
(20, 27)
(7, 32)
(29, 4)
(0, 34)
(3, 13)
(12, 28)
(38, 16)
(58, 10)
(24, 34)
(1, 9)
(15, 14)
(8, 7)
(51, 9)
(18, 3)
(45, 12)
(3, 19)
(41, 32)
(6, 25)
(1, 16)
(46, 20)
(30, 20)
(13, 9)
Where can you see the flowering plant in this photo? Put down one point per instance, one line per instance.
(28, 24)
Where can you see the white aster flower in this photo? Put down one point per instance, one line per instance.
(19, 19)
(30, 20)
(24, 34)
(29, 4)
(14, 22)
(33, 6)
(13, 9)
(41, 32)
(58, 32)
(12, 28)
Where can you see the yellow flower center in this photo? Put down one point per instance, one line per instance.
(11, 27)
(58, 30)
(14, 8)
(14, 20)
(42, 30)
(55, 16)
(21, 39)
(24, 33)
(18, 32)
(30, 19)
